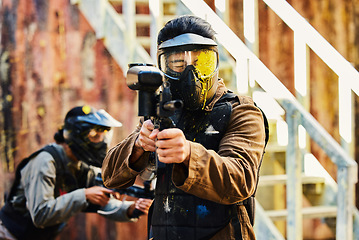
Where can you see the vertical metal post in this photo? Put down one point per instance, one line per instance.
(301, 77)
(242, 72)
(222, 7)
(301, 69)
(294, 181)
(129, 12)
(345, 201)
(156, 12)
(346, 115)
(250, 22)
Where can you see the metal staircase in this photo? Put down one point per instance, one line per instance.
(289, 171)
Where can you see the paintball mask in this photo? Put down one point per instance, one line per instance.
(88, 132)
(190, 63)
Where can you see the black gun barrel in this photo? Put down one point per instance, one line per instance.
(173, 105)
(136, 191)
(133, 191)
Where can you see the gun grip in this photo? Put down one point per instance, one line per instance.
(137, 213)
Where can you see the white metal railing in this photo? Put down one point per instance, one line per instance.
(304, 33)
(118, 33)
(250, 68)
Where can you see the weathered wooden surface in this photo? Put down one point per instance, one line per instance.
(51, 61)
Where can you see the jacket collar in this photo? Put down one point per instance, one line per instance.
(221, 90)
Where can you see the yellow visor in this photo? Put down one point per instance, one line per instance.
(173, 63)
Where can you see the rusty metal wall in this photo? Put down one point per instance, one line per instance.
(51, 61)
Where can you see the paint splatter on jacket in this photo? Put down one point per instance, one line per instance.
(225, 176)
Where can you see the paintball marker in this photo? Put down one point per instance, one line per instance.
(133, 191)
(154, 95)
(154, 102)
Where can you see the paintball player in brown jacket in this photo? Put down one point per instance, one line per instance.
(207, 165)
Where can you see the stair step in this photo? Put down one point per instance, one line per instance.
(274, 147)
(270, 180)
(308, 212)
(145, 19)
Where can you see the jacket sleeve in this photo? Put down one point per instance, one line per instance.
(38, 179)
(229, 175)
(116, 169)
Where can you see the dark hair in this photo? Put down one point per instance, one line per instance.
(59, 136)
(185, 24)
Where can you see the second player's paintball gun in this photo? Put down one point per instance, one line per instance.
(133, 191)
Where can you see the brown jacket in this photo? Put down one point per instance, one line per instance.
(227, 176)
